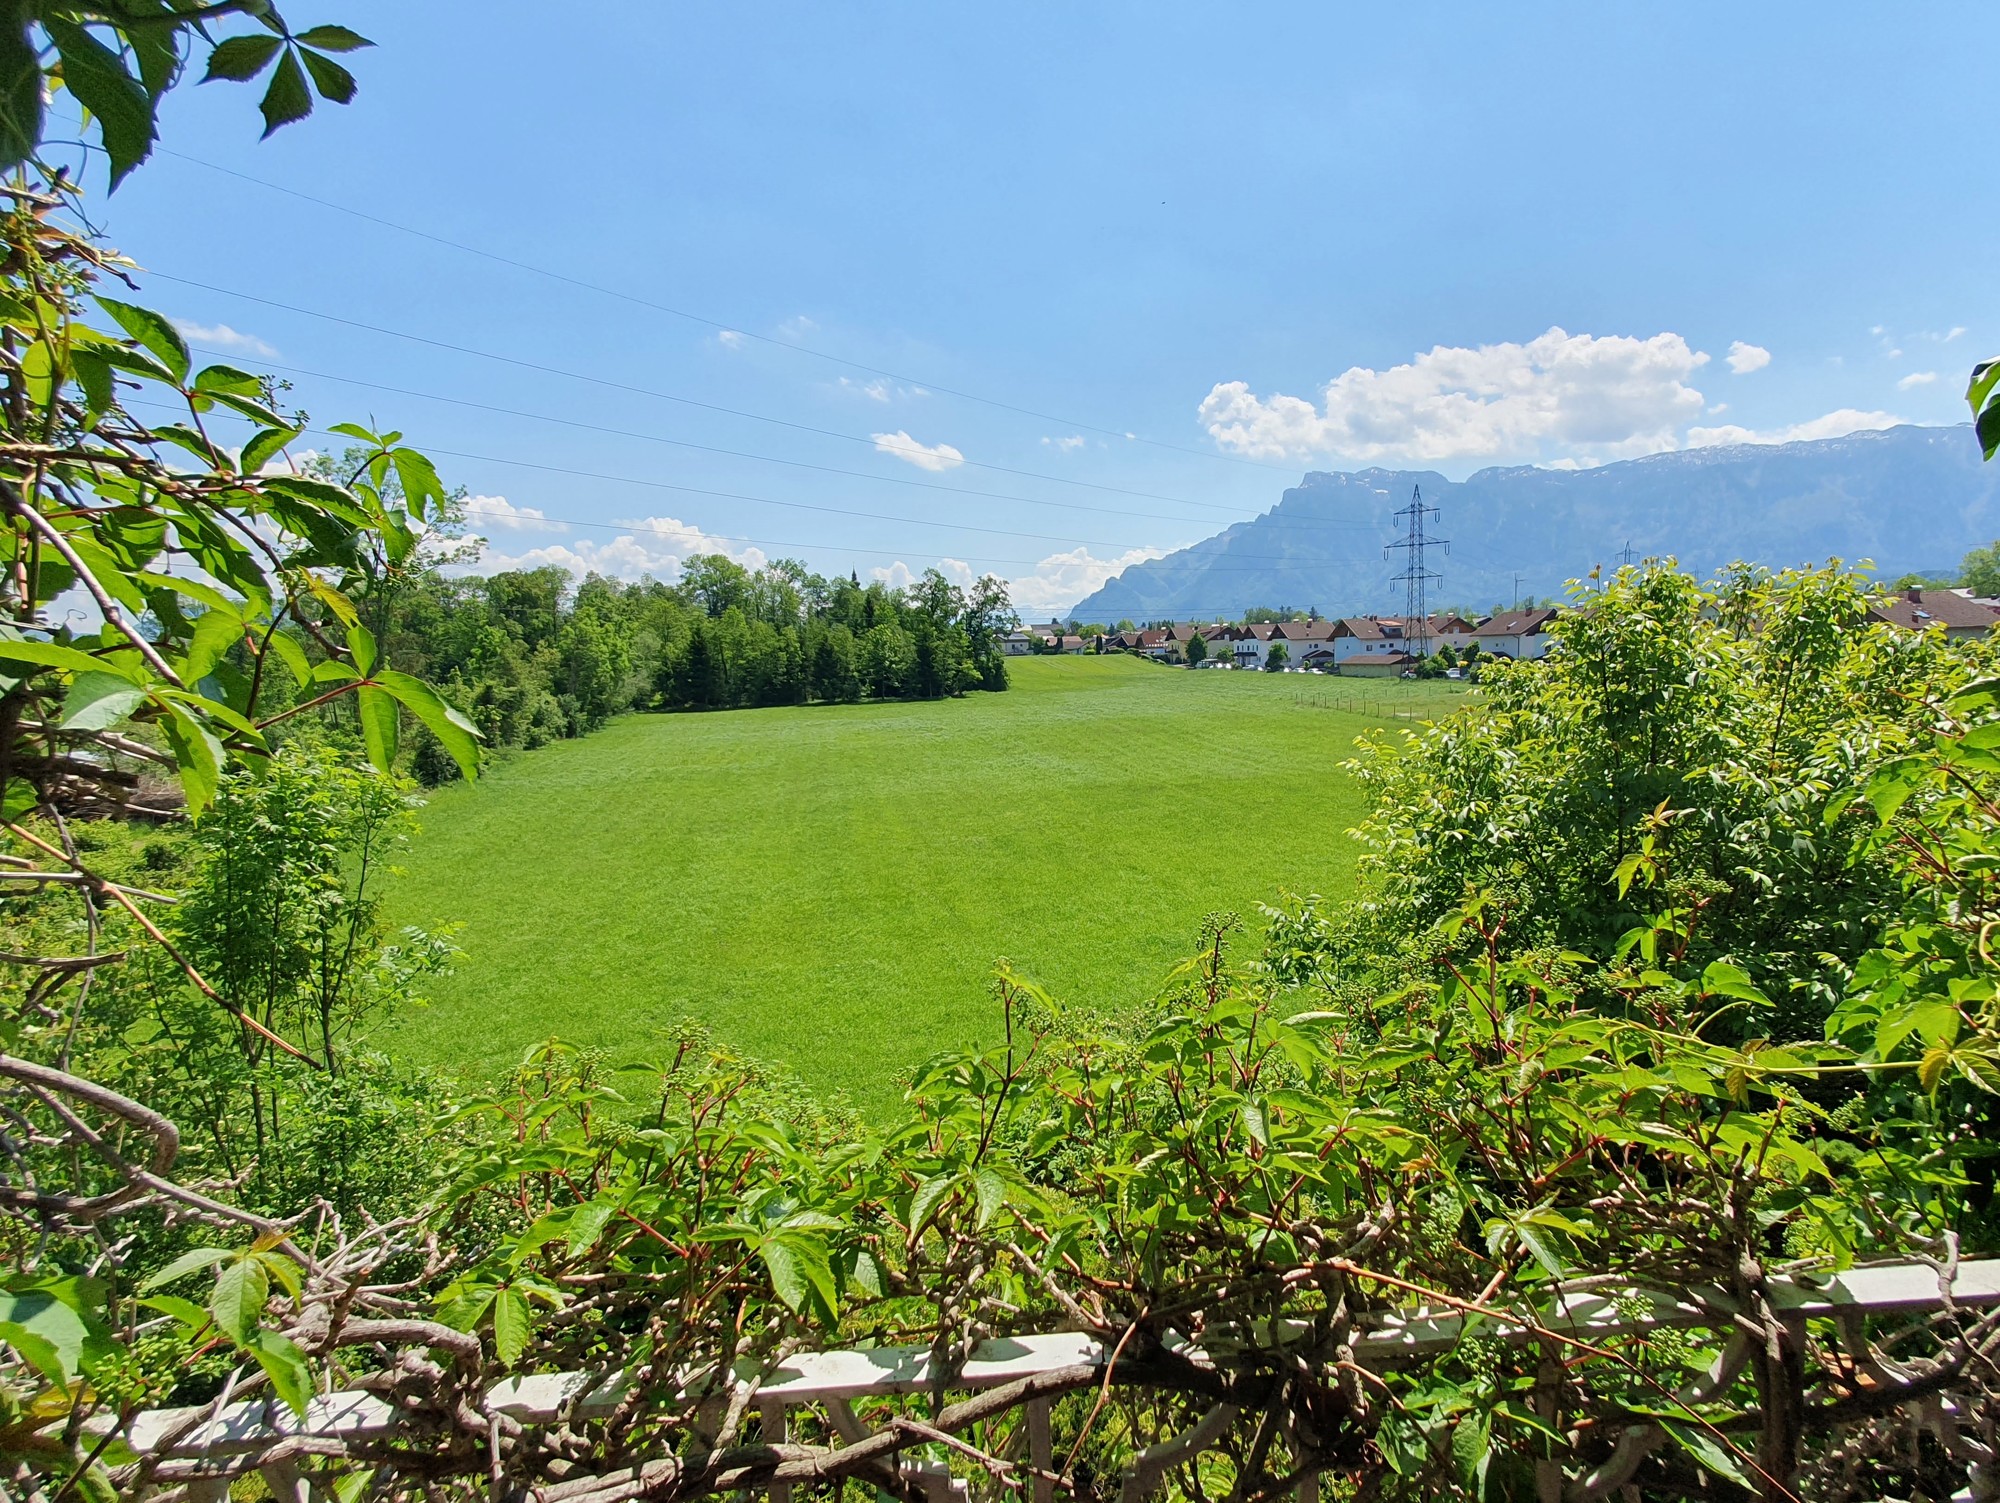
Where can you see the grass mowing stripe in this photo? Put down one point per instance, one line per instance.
(828, 886)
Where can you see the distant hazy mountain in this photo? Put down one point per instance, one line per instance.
(1907, 498)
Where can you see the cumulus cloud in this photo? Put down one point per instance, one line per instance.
(1606, 396)
(1745, 358)
(1916, 378)
(1067, 445)
(1833, 425)
(730, 339)
(655, 545)
(924, 457)
(498, 511)
(225, 338)
(1054, 585)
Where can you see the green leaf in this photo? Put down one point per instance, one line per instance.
(154, 332)
(93, 374)
(455, 733)
(20, 86)
(1979, 1067)
(333, 81)
(510, 1326)
(262, 448)
(1722, 979)
(186, 1311)
(18, 800)
(992, 1192)
(333, 39)
(96, 76)
(787, 1278)
(241, 1291)
(926, 1198)
(378, 725)
(361, 646)
(97, 701)
(217, 379)
(37, 1351)
(198, 756)
(240, 58)
(285, 1365)
(52, 655)
(422, 489)
(587, 1224)
(291, 652)
(215, 633)
(288, 98)
(1711, 1456)
(192, 440)
(49, 1312)
(868, 1273)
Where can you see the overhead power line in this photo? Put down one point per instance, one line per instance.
(712, 323)
(800, 464)
(664, 396)
(1256, 560)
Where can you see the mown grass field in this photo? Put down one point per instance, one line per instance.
(828, 887)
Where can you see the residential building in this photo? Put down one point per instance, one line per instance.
(1516, 634)
(1960, 616)
(1017, 644)
(1248, 644)
(1389, 662)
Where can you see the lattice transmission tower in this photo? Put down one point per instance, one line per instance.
(1417, 577)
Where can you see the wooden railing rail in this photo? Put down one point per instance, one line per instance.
(830, 1381)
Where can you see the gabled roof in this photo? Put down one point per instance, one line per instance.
(1448, 622)
(1380, 659)
(1365, 628)
(1516, 623)
(1916, 609)
(1304, 631)
(1151, 638)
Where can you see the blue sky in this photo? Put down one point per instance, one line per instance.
(1261, 239)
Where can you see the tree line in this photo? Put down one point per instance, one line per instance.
(533, 656)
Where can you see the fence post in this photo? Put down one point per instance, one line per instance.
(777, 1430)
(1041, 1451)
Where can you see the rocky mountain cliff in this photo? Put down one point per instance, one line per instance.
(1906, 498)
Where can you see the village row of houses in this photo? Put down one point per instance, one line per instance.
(1365, 646)
(1389, 646)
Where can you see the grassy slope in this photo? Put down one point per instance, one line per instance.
(828, 886)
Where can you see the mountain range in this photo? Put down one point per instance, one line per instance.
(1909, 499)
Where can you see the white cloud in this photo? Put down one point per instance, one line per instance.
(1953, 332)
(876, 390)
(730, 339)
(1059, 581)
(1745, 358)
(1607, 396)
(907, 449)
(1055, 584)
(1916, 378)
(655, 546)
(1833, 425)
(797, 326)
(1895, 354)
(498, 511)
(1067, 445)
(1718, 407)
(224, 337)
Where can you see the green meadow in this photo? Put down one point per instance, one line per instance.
(828, 887)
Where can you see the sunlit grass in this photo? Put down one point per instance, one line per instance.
(828, 887)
